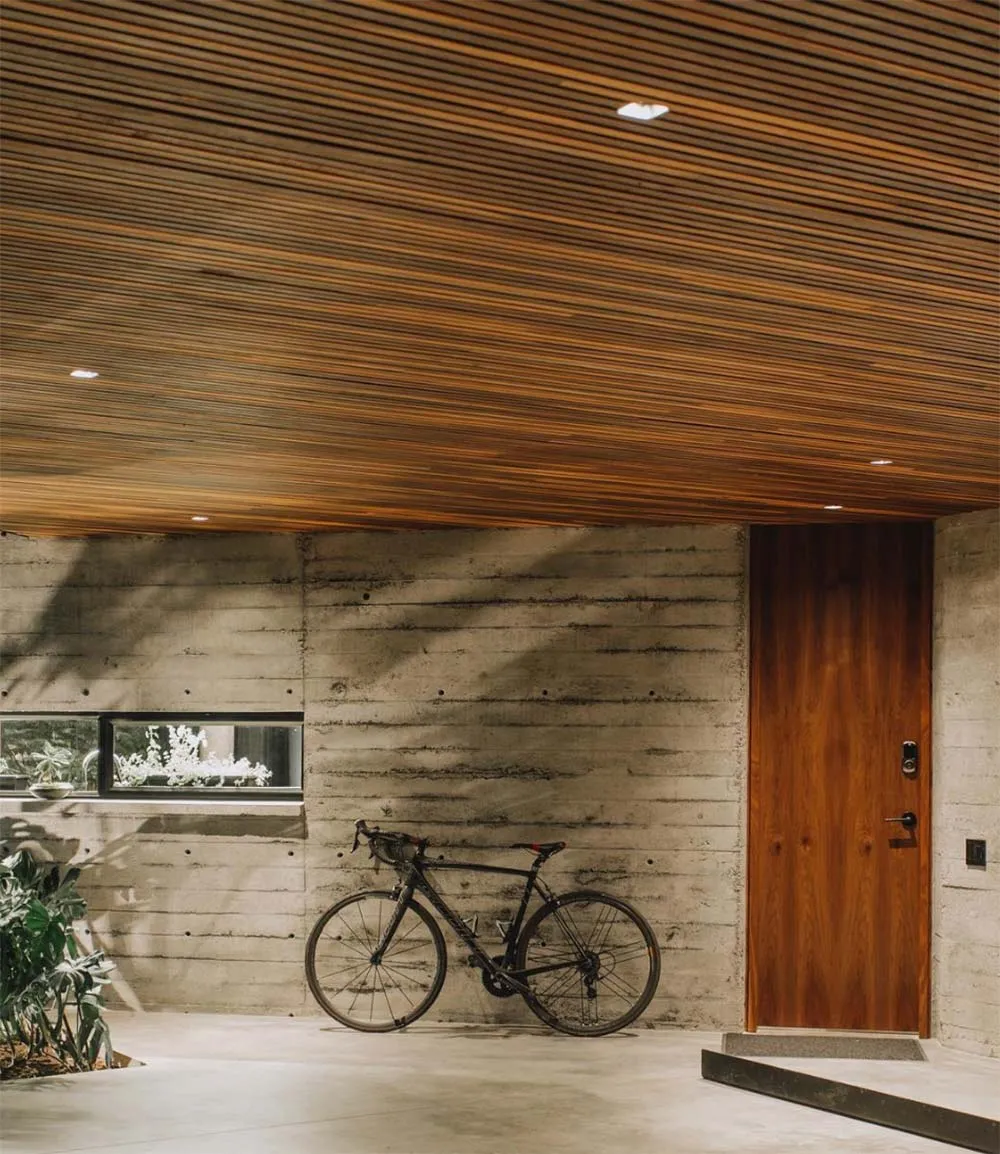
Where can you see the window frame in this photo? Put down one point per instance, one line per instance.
(106, 720)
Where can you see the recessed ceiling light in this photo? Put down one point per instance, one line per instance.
(199, 517)
(880, 461)
(84, 374)
(832, 507)
(637, 111)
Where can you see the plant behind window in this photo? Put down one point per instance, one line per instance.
(182, 760)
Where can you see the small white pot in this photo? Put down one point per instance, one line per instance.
(51, 790)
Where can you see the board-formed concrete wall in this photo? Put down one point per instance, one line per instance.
(196, 904)
(966, 902)
(479, 687)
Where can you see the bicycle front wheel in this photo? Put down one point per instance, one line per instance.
(381, 995)
(592, 963)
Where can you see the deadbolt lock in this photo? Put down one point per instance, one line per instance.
(908, 762)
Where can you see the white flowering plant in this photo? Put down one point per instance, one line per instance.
(185, 761)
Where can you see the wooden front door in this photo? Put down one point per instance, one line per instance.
(839, 898)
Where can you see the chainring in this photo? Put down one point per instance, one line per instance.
(495, 983)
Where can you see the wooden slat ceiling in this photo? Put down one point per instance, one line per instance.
(395, 264)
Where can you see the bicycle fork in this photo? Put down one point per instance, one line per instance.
(403, 895)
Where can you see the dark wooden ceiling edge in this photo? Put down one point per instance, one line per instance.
(173, 528)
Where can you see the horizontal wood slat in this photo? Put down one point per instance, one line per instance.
(390, 264)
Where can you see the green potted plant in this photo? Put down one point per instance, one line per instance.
(51, 990)
(51, 764)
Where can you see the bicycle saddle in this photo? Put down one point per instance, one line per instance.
(548, 848)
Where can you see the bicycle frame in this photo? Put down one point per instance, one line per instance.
(586, 963)
(413, 879)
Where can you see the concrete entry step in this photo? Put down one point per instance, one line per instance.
(824, 1045)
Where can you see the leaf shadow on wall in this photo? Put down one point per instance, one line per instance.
(481, 699)
(503, 688)
(115, 596)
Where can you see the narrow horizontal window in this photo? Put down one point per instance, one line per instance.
(57, 755)
(200, 755)
(206, 755)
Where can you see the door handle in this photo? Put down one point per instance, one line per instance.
(907, 820)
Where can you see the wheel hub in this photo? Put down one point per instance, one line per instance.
(590, 965)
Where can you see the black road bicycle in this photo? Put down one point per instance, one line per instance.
(586, 963)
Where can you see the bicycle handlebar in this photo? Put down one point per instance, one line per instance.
(362, 829)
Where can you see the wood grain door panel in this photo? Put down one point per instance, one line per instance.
(838, 901)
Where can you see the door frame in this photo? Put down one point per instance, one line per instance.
(925, 859)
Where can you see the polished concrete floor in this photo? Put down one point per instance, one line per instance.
(248, 1085)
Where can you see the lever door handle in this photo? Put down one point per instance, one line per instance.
(907, 820)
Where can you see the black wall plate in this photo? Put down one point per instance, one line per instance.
(975, 851)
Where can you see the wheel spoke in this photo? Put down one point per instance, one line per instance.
(398, 986)
(364, 926)
(353, 949)
(609, 922)
(628, 953)
(388, 1004)
(359, 991)
(394, 952)
(365, 947)
(417, 925)
(566, 923)
(353, 969)
(561, 982)
(620, 986)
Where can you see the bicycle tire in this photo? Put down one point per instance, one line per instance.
(415, 962)
(612, 956)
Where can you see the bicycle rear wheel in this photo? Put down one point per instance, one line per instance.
(598, 963)
(367, 995)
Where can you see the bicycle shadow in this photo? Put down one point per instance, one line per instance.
(487, 1031)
